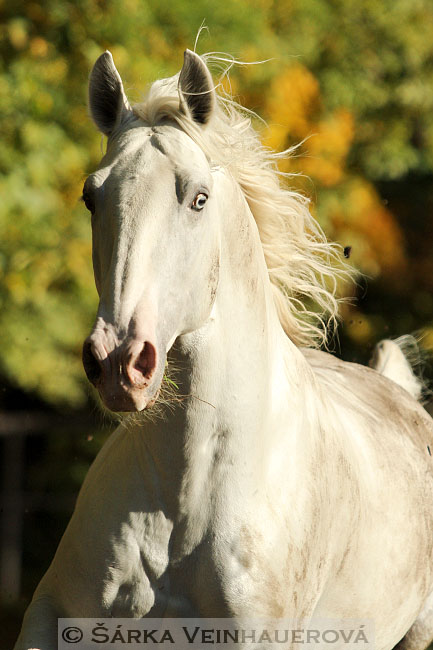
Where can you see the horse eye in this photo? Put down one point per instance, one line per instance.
(199, 201)
(88, 202)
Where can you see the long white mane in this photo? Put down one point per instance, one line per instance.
(303, 266)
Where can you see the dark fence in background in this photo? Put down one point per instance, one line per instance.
(39, 456)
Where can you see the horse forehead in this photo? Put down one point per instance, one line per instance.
(148, 148)
(177, 145)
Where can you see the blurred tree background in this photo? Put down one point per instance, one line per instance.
(351, 81)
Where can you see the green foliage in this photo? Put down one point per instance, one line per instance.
(372, 60)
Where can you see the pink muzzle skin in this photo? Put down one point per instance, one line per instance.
(124, 376)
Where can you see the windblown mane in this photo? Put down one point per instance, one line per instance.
(303, 266)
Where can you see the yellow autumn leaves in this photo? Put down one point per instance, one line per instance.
(347, 204)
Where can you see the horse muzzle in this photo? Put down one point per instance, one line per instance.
(125, 375)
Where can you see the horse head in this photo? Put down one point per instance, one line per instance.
(154, 231)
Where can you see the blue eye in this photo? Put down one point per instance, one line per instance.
(199, 202)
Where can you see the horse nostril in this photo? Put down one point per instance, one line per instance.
(146, 361)
(91, 365)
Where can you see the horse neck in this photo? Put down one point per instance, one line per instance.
(240, 372)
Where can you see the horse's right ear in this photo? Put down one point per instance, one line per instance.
(107, 100)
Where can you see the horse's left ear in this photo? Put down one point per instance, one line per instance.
(107, 100)
(196, 88)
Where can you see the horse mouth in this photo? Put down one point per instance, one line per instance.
(128, 402)
(121, 397)
(129, 384)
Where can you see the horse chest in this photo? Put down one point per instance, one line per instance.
(221, 576)
(218, 577)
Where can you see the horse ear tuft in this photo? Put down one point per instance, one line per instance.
(107, 100)
(196, 88)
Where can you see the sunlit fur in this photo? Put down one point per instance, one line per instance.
(304, 268)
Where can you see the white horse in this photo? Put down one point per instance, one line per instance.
(283, 483)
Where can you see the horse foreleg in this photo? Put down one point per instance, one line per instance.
(420, 635)
(39, 629)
